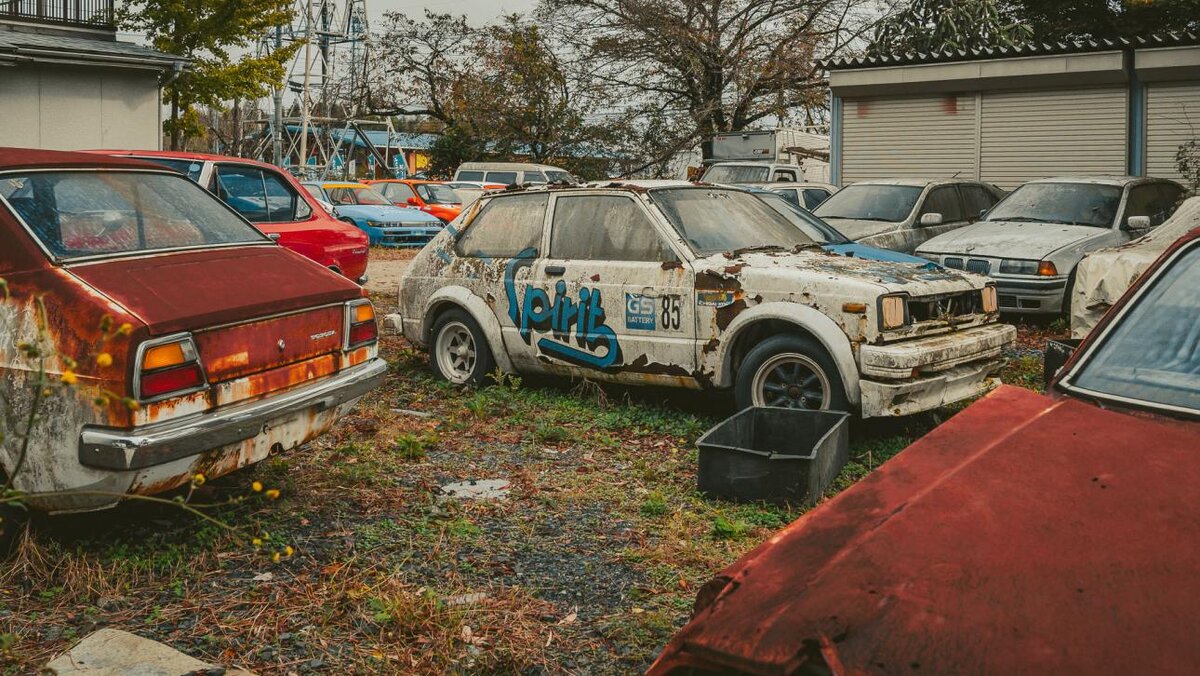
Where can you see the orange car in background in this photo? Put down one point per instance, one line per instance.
(432, 197)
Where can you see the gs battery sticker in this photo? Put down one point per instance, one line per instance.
(640, 312)
(716, 299)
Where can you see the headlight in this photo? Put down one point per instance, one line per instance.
(989, 299)
(892, 313)
(1010, 266)
(375, 224)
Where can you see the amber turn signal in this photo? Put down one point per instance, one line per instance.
(1047, 269)
(162, 356)
(854, 308)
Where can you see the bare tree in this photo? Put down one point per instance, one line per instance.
(721, 64)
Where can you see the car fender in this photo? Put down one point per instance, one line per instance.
(815, 322)
(479, 311)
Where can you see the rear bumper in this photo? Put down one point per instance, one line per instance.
(164, 442)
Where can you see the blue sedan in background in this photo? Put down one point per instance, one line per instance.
(385, 223)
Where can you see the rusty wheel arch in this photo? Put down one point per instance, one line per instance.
(436, 311)
(758, 331)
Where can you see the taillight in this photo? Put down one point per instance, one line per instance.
(168, 366)
(360, 324)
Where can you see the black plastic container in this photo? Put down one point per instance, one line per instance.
(780, 455)
(1056, 355)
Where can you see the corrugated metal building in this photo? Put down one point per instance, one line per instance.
(1007, 116)
(67, 83)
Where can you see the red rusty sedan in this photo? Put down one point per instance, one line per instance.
(1028, 534)
(231, 347)
(275, 203)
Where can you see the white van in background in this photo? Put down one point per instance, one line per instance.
(508, 173)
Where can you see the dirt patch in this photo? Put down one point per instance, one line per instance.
(383, 275)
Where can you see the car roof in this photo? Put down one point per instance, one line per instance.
(914, 182)
(801, 184)
(182, 155)
(505, 166)
(1100, 180)
(30, 158)
(338, 184)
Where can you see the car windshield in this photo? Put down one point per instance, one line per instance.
(1152, 354)
(437, 193)
(356, 195)
(887, 203)
(1089, 204)
(737, 173)
(820, 231)
(713, 220)
(91, 213)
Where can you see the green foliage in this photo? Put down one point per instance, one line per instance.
(1187, 160)
(925, 26)
(654, 505)
(1057, 20)
(725, 529)
(411, 446)
(209, 33)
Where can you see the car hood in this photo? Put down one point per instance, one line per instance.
(387, 214)
(1025, 534)
(1006, 239)
(856, 250)
(785, 272)
(187, 291)
(856, 229)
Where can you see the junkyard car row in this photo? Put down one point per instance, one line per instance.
(242, 332)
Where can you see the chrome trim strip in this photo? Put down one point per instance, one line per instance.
(162, 442)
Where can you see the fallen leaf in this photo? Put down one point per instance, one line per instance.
(638, 611)
(570, 617)
(263, 577)
(466, 634)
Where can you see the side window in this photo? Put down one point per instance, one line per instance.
(505, 177)
(782, 175)
(943, 201)
(506, 227)
(789, 194)
(469, 176)
(976, 200)
(604, 228)
(535, 177)
(1148, 200)
(341, 196)
(242, 188)
(814, 196)
(284, 203)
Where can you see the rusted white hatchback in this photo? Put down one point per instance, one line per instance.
(694, 286)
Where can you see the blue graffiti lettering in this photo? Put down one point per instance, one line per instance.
(563, 318)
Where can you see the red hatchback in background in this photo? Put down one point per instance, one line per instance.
(219, 347)
(274, 202)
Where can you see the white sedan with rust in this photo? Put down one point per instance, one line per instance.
(694, 286)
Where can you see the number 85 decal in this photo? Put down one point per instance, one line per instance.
(670, 312)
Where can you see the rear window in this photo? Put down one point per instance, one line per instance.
(505, 177)
(506, 227)
(76, 214)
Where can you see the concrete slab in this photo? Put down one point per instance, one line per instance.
(482, 489)
(112, 652)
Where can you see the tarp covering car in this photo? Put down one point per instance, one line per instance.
(1103, 276)
(1001, 542)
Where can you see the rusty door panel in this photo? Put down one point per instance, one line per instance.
(234, 351)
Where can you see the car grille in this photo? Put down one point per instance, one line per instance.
(396, 235)
(945, 306)
(978, 265)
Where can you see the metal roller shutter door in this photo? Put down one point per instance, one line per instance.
(919, 137)
(1172, 117)
(1037, 134)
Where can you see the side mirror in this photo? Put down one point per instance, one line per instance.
(1137, 222)
(412, 202)
(931, 219)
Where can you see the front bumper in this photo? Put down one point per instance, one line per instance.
(169, 440)
(1031, 295)
(896, 398)
(406, 237)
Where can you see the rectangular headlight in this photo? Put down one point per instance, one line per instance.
(1012, 266)
(892, 313)
(989, 299)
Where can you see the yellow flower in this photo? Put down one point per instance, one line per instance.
(257, 542)
(257, 486)
(275, 557)
(69, 377)
(272, 493)
(198, 480)
(125, 329)
(131, 404)
(288, 551)
(104, 360)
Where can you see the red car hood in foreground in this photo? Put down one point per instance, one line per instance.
(1026, 535)
(191, 290)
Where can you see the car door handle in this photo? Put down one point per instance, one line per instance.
(556, 270)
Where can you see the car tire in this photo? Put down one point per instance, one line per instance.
(1068, 292)
(458, 350)
(790, 371)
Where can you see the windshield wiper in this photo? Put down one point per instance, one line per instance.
(860, 218)
(1022, 219)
